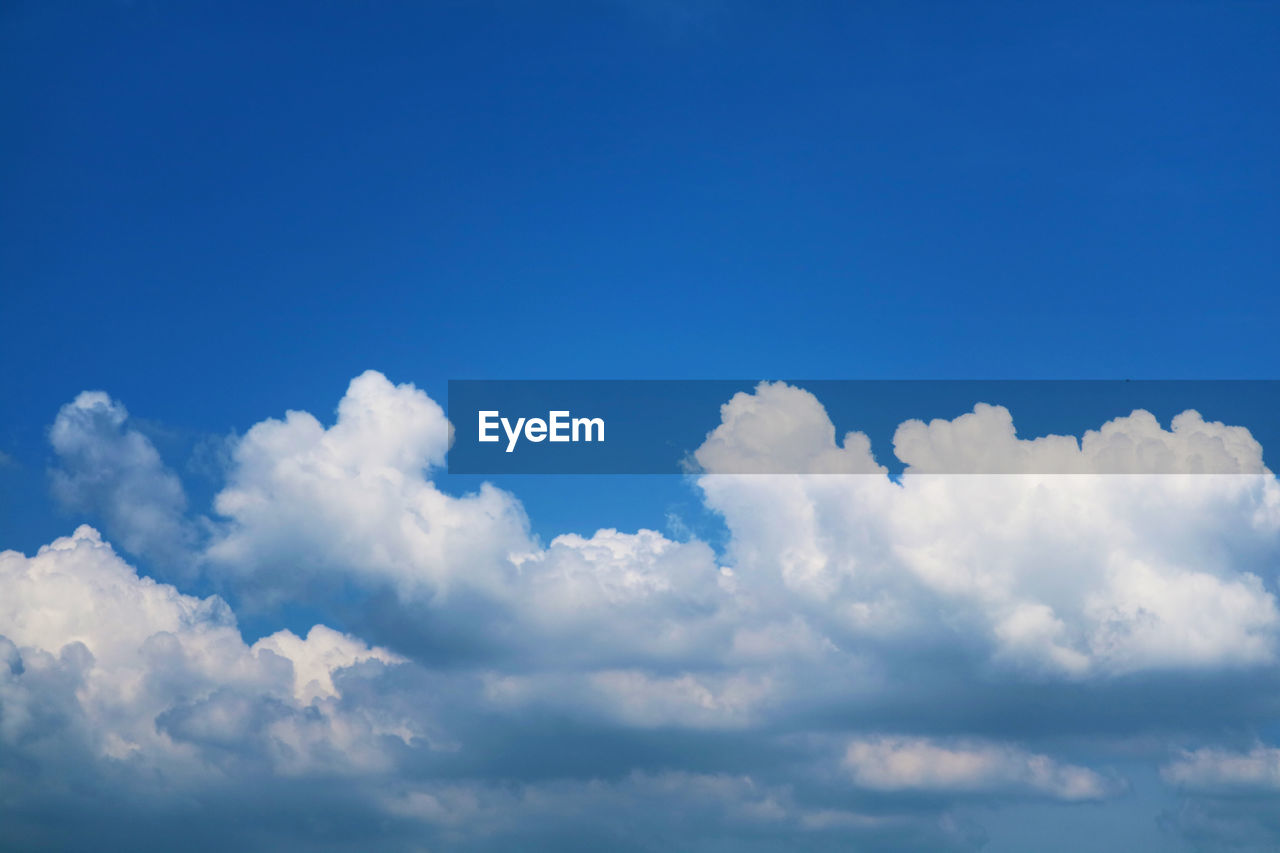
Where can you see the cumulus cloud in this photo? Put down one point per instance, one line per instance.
(107, 468)
(1075, 575)
(779, 429)
(985, 441)
(487, 687)
(151, 699)
(627, 596)
(163, 678)
(353, 499)
(355, 503)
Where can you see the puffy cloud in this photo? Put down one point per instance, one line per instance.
(110, 469)
(984, 441)
(151, 700)
(317, 657)
(1067, 574)
(165, 679)
(354, 502)
(504, 691)
(306, 501)
(781, 429)
(918, 764)
(617, 597)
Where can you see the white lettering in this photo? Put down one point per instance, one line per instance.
(587, 424)
(486, 425)
(558, 426)
(513, 435)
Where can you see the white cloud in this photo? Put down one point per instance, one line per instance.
(634, 697)
(165, 678)
(622, 596)
(840, 605)
(109, 468)
(781, 429)
(1073, 576)
(353, 500)
(318, 656)
(1067, 574)
(1224, 770)
(919, 764)
(985, 441)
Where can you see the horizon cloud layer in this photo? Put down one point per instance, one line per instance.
(866, 660)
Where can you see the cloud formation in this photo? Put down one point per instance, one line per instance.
(110, 469)
(1257, 769)
(164, 678)
(1073, 575)
(919, 764)
(985, 441)
(780, 429)
(303, 500)
(865, 661)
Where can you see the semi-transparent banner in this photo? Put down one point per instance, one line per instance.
(862, 426)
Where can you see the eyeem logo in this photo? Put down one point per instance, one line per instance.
(558, 426)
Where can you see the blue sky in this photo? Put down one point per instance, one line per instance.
(220, 212)
(215, 213)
